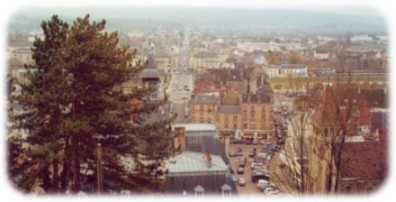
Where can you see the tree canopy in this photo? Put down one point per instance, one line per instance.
(73, 101)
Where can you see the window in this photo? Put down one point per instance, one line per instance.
(199, 190)
(252, 108)
(245, 125)
(234, 126)
(226, 190)
(235, 118)
(245, 117)
(253, 126)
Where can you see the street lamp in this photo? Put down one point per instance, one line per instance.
(99, 170)
(99, 173)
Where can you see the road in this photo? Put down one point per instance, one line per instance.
(181, 84)
(250, 187)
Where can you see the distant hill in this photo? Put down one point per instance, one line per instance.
(274, 19)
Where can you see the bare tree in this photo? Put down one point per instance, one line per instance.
(336, 119)
(293, 173)
(321, 122)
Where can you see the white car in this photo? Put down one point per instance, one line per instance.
(241, 181)
(261, 183)
(256, 164)
(271, 191)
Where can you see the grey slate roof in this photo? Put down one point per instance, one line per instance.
(229, 109)
(292, 66)
(202, 138)
(151, 62)
(206, 54)
(255, 98)
(205, 99)
(193, 163)
(212, 184)
(151, 71)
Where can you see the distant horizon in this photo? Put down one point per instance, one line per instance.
(348, 11)
(312, 20)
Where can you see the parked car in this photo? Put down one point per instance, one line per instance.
(256, 176)
(259, 169)
(252, 153)
(256, 164)
(241, 181)
(241, 163)
(248, 141)
(271, 191)
(243, 159)
(280, 141)
(235, 152)
(240, 170)
(236, 141)
(261, 184)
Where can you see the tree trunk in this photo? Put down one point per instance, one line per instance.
(55, 175)
(65, 169)
(302, 174)
(76, 164)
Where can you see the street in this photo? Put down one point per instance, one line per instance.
(181, 84)
(250, 187)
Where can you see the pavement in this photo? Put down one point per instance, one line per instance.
(250, 187)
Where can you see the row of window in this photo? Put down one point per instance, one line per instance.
(253, 126)
(202, 107)
(254, 108)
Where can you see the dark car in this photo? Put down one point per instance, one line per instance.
(242, 162)
(252, 153)
(236, 141)
(256, 177)
(240, 170)
(248, 141)
(280, 141)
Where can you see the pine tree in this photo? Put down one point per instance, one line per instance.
(73, 101)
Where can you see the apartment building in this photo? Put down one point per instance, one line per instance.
(203, 107)
(257, 119)
(229, 118)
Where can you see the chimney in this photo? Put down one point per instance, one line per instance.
(208, 159)
(179, 138)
